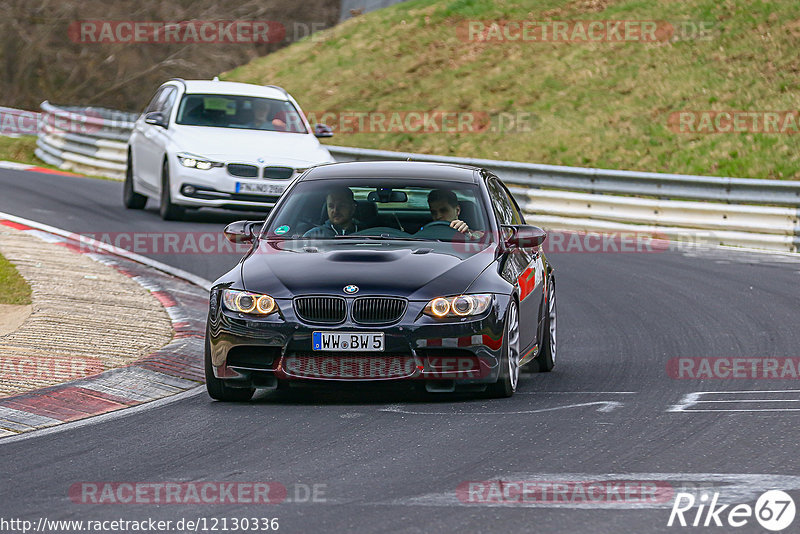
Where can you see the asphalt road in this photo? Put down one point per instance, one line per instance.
(391, 461)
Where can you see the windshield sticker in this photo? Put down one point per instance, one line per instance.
(281, 230)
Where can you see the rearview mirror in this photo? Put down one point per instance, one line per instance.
(525, 236)
(241, 231)
(156, 118)
(323, 130)
(387, 195)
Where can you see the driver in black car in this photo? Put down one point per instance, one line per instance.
(341, 206)
(444, 207)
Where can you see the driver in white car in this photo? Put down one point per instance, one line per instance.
(444, 207)
(262, 111)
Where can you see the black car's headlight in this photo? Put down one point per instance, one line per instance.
(196, 162)
(247, 302)
(460, 306)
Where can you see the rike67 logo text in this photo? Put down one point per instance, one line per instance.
(774, 510)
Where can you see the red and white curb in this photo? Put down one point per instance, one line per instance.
(171, 370)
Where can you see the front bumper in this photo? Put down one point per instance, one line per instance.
(216, 188)
(257, 352)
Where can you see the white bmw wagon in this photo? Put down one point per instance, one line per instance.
(219, 144)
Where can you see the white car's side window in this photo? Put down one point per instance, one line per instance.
(153, 105)
(168, 102)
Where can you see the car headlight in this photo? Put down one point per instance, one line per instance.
(197, 162)
(249, 303)
(460, 306)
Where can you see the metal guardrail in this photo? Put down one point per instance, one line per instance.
(707, 209)
(86, 140)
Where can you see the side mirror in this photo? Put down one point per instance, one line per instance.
(241, 231)
(156, 118)
(525, 236)
(323, 130)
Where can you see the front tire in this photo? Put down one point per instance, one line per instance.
(546, 359)
(131, 199)
(217, 389)
(168, 210)
(507, 382)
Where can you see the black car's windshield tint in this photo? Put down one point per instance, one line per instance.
(382, 209)
(242, 112)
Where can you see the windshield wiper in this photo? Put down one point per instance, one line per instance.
(381, 237)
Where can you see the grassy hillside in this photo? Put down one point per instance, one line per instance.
(589, 104)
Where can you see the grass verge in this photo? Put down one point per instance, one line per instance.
(13, 288)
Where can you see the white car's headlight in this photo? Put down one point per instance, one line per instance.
(197, 162)
(247, 302)
(460, 306)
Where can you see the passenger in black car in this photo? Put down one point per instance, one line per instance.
(341, 207)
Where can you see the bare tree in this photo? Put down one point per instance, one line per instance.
(41, 59)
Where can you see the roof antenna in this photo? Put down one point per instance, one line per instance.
(216, 79)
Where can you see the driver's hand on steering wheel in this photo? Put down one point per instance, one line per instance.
(459, 226)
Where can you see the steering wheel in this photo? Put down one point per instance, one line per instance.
(438, 230)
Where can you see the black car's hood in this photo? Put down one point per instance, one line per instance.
(417, 271)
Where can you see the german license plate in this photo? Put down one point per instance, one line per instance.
(347, 341)
(267, 189)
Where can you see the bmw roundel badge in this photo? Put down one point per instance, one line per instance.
(351, 289)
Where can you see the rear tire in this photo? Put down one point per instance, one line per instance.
(507, 382)
(131, 199)
(546, 359)
(168, 210)
(217, 389)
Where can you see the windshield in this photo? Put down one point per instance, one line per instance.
(242, 112)
(391, 209)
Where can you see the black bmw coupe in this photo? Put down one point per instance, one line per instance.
(384, 271)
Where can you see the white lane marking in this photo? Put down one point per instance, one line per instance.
(605, 406)
(97, 419)
(690, 400)
(576, 392)
(733, 488)
(93, 243)
(749, 400)
(15, 166)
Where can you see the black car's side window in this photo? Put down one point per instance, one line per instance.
(504, 206)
